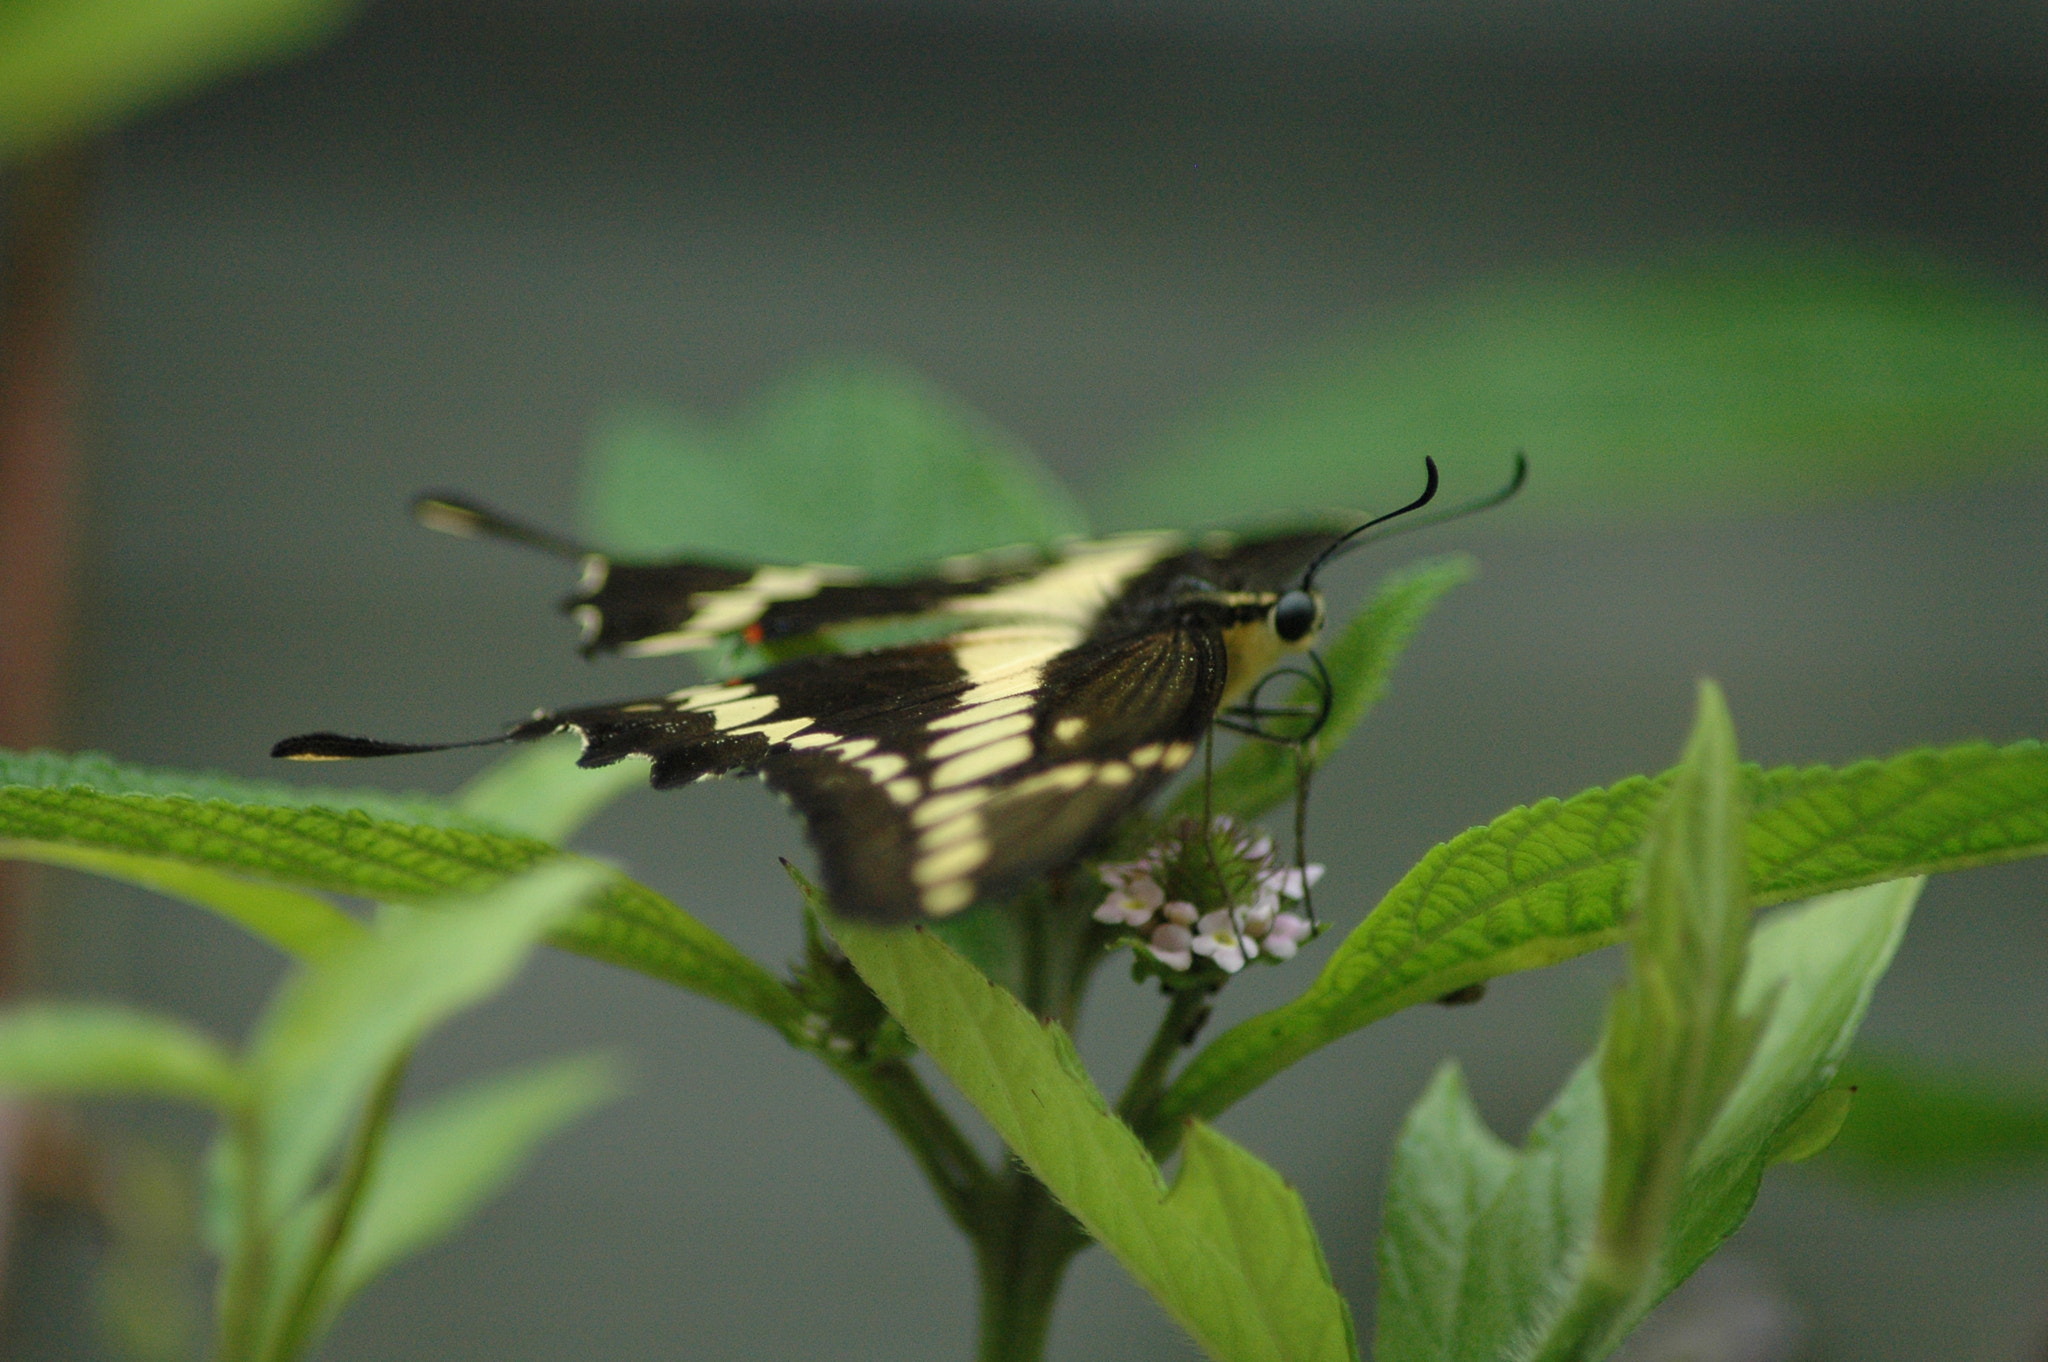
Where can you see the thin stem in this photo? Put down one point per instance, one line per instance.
(1022, 1254)
(1148, 1080)
(952, 1166)
(248, 1271)
(309, 1297)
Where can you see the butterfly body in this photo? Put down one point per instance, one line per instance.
(1065, 686)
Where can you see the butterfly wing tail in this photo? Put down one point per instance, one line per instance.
(452, 513)
(343, 747)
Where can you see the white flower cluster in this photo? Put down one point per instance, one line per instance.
(1176, 931)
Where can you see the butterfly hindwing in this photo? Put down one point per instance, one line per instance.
(934, 774)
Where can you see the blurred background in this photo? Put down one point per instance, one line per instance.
(1762, 289)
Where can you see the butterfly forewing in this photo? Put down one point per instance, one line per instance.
(646, 609)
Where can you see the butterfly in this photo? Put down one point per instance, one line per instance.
(1064, 686)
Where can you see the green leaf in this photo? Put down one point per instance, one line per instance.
(1757, 374)
(299, 924)
(1519, 1258)
(334, 1030)
(442, 1162)
(852, 460)
(96, 1049)
(1448, 1168)
(1261, 774)
(540, 791)
(363, 842)
(1229, 1251)
(1550, 881)
(69, 68)
(1917, 1126)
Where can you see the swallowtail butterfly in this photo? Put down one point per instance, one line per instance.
(1073, 683)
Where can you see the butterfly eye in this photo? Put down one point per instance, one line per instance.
(1294, 615)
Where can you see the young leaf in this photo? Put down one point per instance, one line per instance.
(96, 1049)
(299, 924)
(1520, 1256)
(854, 461)
(1261, 774)
(333, 1031)
(1675, 1041)
(442, 1162)
(361, 842)
(1762, 373)
(1526, 1247)
(1550, 881)
(1917, 1126)
(1228, 1252)
(1448, 1168)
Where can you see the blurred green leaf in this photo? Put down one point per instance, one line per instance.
(1917, 1126)
(1816, 966)
(442, 1162)
(70, 68)
(1512, 1241)
(96, 1049)
(540, 791)
(1261, 774)
(852, 461)
(147, 1289)
(1755, 374)
(333, 1031)
(1814, 1129)
(1550, 881)
(1229, 1251)
(362, 842)
(299, 924)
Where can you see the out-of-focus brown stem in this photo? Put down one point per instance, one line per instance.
(39, 256)
(41, 239)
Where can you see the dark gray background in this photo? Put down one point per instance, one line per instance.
(432, 254)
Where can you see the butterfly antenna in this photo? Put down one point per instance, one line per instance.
(452, 514)
(1429, 486)
(1352, 541)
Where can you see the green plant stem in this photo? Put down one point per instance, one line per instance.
(309, 1295)
(1598, 1308)
(243, 1288)
(1148, 1080)
(952, 1166)
(1022, 1252)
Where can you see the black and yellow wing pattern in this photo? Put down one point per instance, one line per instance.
(1067, 685)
